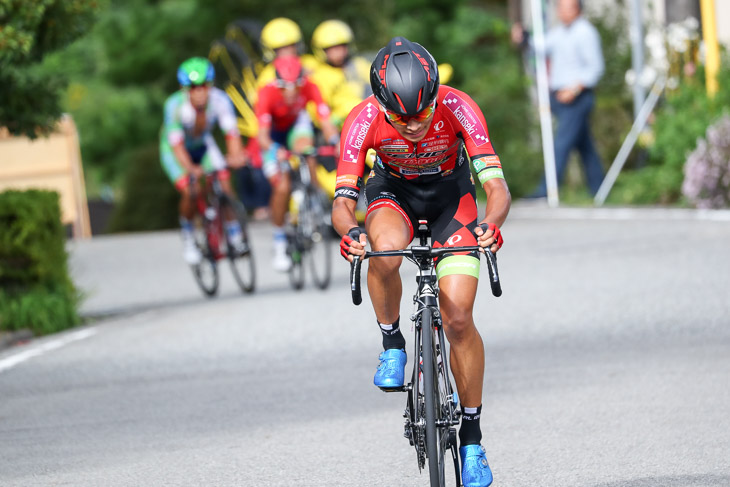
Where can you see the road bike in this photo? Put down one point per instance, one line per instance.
(212, 207)
(310, 235)
(432, 411)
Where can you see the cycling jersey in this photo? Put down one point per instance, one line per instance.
(457, 124)
(180, 118)
(273, 111)
(343, 87)
(179, 126)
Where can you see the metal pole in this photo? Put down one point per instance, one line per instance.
(637, 54)
(543, 97)
(629, 142)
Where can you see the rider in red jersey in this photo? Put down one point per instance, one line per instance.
(424, 135)
(284, 125)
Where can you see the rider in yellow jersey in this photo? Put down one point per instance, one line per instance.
(343, 79)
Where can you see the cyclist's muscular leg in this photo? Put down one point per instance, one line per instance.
(187, 205)
(386, 230)
(228, 213)
(456, 300)
(279, 202)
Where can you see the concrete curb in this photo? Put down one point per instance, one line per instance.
(11, 338)
(539, 210)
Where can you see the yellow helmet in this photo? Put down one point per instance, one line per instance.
(278, 33)
(330, 33)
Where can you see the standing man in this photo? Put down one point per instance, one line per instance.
(576, 64)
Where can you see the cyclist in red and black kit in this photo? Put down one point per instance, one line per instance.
(425, 136)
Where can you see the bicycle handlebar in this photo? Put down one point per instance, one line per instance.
(422, 251)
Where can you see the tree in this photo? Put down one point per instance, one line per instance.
(29, 98)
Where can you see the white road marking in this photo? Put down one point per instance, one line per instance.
(13, 360)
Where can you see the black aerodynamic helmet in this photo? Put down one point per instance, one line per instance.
(404, 77)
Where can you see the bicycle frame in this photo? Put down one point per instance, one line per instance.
(209, 206)
(431, 413)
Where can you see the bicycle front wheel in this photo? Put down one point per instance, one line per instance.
(434, 431)
(317, 234)
(205, 271)
(241, 259)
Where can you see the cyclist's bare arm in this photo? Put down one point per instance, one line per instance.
(264, 137)
(184, 158)
(235, 156)
(498, 205)
(343, 219)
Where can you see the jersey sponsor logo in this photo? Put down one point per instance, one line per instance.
(358, 130)
(467, 117)
(347, 180)
(439, 126)
(420, 171)
(347, 193)
(492, 161)
(395, 148)
(453, 240)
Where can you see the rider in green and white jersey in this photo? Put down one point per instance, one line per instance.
(187, 147)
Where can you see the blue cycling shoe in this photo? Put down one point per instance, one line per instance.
(475, 471)
(391, 371)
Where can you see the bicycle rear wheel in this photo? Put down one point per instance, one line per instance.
(205, 271)
(316, 232)
(434, 443)
(295, 251)
(241, 260)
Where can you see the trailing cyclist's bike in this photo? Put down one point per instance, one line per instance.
(310, 236)
(432, 411)
(212, 207)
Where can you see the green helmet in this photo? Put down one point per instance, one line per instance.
(195, 71)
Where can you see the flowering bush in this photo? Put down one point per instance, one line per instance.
(707, 171)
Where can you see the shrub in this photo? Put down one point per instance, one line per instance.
(682, 119)
(36, 291)
(707, 172)
(150, 201)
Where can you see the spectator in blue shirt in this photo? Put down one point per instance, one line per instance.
(573, 49)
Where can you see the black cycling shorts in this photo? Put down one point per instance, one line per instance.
(448, 203)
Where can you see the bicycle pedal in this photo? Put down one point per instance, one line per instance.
(394, 389)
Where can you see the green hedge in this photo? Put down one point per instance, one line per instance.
(36, 291)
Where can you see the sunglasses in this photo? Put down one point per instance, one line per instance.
(403, 120)
(289, 85)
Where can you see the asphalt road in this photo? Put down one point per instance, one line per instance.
(608, 365)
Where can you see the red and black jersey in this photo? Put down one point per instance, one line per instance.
(457, 122)
(273, 111)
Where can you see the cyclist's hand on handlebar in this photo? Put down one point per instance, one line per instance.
(196, 171)
(353, 243)
(282, 155)
(489, 236)
(236, 159)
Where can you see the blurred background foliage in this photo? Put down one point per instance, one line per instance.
(121, 71)
(680, 121)
(29, 95)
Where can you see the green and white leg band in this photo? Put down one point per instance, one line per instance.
(458, 264)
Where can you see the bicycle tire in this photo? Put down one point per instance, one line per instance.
(317, 234)
(434, 452)
(294, 249)
(243, 264)
(206, 271)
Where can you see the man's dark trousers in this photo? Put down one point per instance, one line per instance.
(574, 132)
